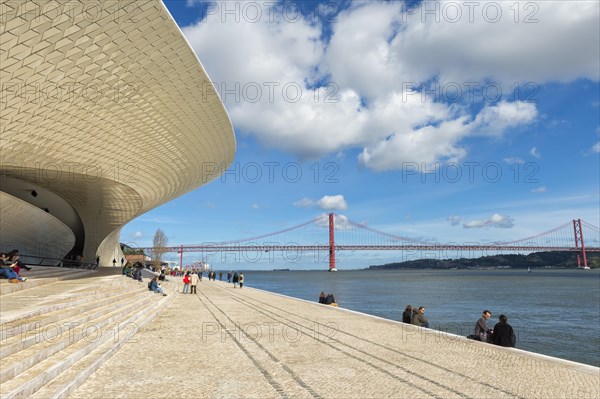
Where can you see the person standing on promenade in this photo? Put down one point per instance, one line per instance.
(241, 280)
(407, 314)
(193, 283)
(504, 334)
(481, 329)
(229, 276)
(418, 318)
(235, 279)
(186, 283)
(220, 276)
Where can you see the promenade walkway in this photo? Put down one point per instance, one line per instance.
(246, 343)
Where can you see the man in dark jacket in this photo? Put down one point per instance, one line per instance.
(418, 318)
(503, 334)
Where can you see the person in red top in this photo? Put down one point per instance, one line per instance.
(186, 283)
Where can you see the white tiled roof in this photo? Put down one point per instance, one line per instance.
(109, 109)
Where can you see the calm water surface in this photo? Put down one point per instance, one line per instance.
(554, 312)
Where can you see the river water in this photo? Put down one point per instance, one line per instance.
(553, 312)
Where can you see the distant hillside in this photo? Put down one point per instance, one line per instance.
(534, 260)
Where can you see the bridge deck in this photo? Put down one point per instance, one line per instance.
(248, 343)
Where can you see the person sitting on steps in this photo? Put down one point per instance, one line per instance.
(6, 270)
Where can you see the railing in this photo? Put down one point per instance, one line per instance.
(56, 262)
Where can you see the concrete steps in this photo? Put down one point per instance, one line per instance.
(41, 275)
(49, 349)
(61, 310)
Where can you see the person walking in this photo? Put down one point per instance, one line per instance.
(241, 280)
(235, 279)
(503, 334)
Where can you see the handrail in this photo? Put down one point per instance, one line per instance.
(56, 262)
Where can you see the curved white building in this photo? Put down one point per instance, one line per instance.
(105, 114)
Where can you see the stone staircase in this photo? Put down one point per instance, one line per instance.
(57, 328)
(41, 275)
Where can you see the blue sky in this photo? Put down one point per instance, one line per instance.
(440, 120)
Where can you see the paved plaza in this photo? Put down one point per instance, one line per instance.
(246, 343)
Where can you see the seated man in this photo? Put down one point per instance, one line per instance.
(329, 299)
(481, 329)
(137, 274)
(418, 318)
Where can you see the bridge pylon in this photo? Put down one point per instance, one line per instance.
(579, 240)
(331, 242)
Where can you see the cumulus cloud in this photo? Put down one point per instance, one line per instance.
(327, 202)
(496, 220)
(535, 152)
(137, 234)
(442, 142)
(332, 203)
(364, 87)
(340, 222)
(596, 147)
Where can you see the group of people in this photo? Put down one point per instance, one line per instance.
(11, 265)
(502, 334)
(134, 271)
(326, 299)
(190, 281)
(415, 316)
(238, 279)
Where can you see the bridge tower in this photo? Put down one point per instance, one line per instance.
(579, 240)
(331, 242)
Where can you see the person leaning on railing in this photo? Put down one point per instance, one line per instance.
(6, 269)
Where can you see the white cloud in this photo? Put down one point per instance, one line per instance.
(541, 189)
(596, 147)
(332, 202)
(327, 202)
(266, 71)
(496, 220)
(137, 234)
(255, 206)
(340, 222)
(494, 120)
(535, 152)
(442, 142)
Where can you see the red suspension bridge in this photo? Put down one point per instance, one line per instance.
(346, 235)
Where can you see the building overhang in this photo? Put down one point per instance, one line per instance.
(112, 112)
